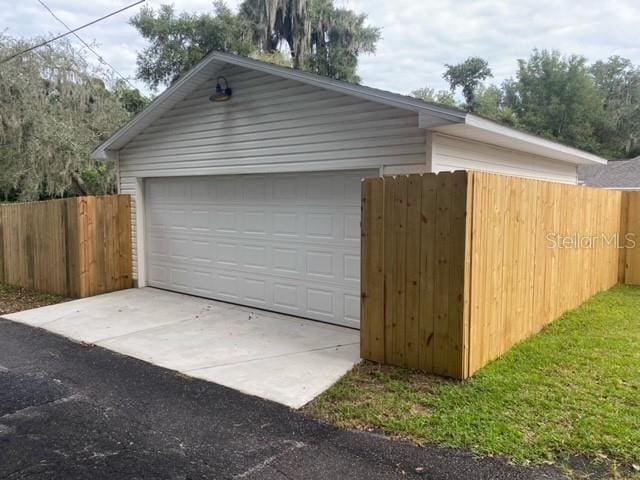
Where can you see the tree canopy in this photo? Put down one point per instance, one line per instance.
(442, 97)
(468, 75)
(177, 41)
(595, 107)
(312, 35)
(54, 110)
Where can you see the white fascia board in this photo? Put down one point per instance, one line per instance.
(431, 120)
(518, 140)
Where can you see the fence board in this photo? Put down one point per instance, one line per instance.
(444, 196)
(398, 281)
(457, 276)
(372, 305)
(74, 247)
(124, 277)
(427, 262)
(412, 272)
(632, 260)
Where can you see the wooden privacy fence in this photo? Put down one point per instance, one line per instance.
(457, 267)
(75, 247)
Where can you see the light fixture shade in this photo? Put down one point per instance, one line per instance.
(222, 94)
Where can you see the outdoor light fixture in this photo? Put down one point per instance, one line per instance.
(221, 94)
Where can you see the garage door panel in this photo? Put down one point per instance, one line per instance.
(352, 227)
(286, 224)
(203, 282)
(289, 243)
(226, 253)
(254, 222)
(200, 221)
(254, 257)
(351, 268)
(159, 275)
(321, 264)
(225, 220)
(286, 296)
(227, 285)
(202, 252)
(351, 309)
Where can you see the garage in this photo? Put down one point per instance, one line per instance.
(254, 198)
(289, 243)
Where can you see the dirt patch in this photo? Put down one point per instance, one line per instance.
(16, 299)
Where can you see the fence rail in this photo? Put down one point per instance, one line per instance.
(458, 267)
(75, 247)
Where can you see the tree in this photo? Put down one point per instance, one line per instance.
(54, 111)
(430, 95)
(618, 83)
(319, 37)
(468, 75)
(490, 103)
(131, 99)
(556, 97)
(179, 41)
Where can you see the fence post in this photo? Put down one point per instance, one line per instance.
(624, 226)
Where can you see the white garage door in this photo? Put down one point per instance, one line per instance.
(288, 243)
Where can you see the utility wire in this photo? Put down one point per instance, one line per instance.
(18, 54)
(100, 58)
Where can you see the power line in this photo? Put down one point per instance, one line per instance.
(100, 58)
(18, 54)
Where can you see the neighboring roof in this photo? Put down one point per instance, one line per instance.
(618, 174)
(432, 116)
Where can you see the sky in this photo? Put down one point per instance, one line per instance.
(418, 36)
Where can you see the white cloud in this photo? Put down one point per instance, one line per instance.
(419, 37)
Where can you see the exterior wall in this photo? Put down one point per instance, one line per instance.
(452, 153)
(270, 125)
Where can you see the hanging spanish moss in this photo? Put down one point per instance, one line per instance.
(320, 37)
(54, 109)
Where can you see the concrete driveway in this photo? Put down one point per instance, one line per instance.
(278, 357)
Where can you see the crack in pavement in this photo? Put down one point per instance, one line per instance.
(32, 410)
(293, 445)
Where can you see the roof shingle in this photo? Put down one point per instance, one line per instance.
(615, 174)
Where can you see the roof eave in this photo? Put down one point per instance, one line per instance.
(481, 129)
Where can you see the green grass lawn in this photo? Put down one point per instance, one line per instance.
(573, 391)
